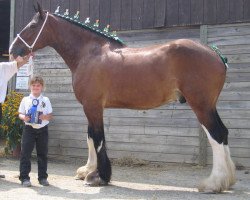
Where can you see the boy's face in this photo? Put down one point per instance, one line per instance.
(36, 89)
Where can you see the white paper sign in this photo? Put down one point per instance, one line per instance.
(23, 71)
(27, 69)
(22, 83)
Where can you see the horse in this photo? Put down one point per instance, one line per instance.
(108, 74)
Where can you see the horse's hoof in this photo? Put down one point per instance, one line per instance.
(93, 179)
(78, 178)
(214, 185)
(83, 171)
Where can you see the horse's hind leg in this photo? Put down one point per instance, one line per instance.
(223, 171)
(229, 161)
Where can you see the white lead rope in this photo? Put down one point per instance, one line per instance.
(32, 46)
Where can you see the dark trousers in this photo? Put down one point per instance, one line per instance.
(31, 137)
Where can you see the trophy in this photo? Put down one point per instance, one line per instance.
(33, 113)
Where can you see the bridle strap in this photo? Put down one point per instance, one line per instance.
(38, 35)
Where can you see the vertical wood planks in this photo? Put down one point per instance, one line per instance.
(236, 10)
(143, 14)
(160, 13)
(172, 13)
(84, 9)
(184, 12)
(46, 5)
(209, 12)
(137, 11)
(222, 11)
(94, 6)
(196, 7)
(64, 4)
(74, 6)
(148, 14)
(126, 14)
(104, 13)
(54, 4)
(115, 14)
(246, 10)
(28, 12)
(18, 16)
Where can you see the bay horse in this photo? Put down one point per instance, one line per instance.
(108, 74)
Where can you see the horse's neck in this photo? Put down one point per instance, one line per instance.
(72, 43)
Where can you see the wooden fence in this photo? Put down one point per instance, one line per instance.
(234, 102)
(142, 14)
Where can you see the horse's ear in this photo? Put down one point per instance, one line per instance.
(40, 10)
(35, 9)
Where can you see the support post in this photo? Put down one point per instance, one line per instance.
(12, 82)
(202, 147)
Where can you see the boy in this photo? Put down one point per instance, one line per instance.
(35, 131)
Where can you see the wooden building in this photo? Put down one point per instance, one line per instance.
(170, 133)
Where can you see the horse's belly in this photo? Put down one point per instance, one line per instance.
(134, 99)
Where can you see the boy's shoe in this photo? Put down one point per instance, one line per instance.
(44, 182)
(26, 183)
(2, 176)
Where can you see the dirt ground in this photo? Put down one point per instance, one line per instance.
(145, 182)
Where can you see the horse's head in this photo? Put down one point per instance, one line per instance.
(34, 36)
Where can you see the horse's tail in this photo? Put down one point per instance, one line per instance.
(223, 58)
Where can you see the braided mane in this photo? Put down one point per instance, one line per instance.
(90, 28)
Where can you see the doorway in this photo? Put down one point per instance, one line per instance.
(4, 29)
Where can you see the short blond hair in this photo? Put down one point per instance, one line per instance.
(36, 79)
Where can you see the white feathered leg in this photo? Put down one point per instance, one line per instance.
(231, 166)
(223, 171)
(91, 163)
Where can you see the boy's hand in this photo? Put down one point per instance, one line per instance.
(24, 117)
(45, 117)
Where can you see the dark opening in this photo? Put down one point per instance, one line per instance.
(4, 29)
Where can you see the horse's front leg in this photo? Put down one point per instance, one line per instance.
(97, 171)
(91, 165)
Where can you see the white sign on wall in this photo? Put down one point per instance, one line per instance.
(22, 83)
(22, 79)
(23, 71)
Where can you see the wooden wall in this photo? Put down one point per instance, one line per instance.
(169, 133)
(4, 26)
(143, 14)
(234, 104)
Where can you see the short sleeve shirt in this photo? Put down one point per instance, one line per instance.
(44, 106)
(7, 70)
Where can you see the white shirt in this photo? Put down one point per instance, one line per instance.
(44, 106)
(7, 70)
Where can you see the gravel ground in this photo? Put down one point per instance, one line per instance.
(146, 182)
